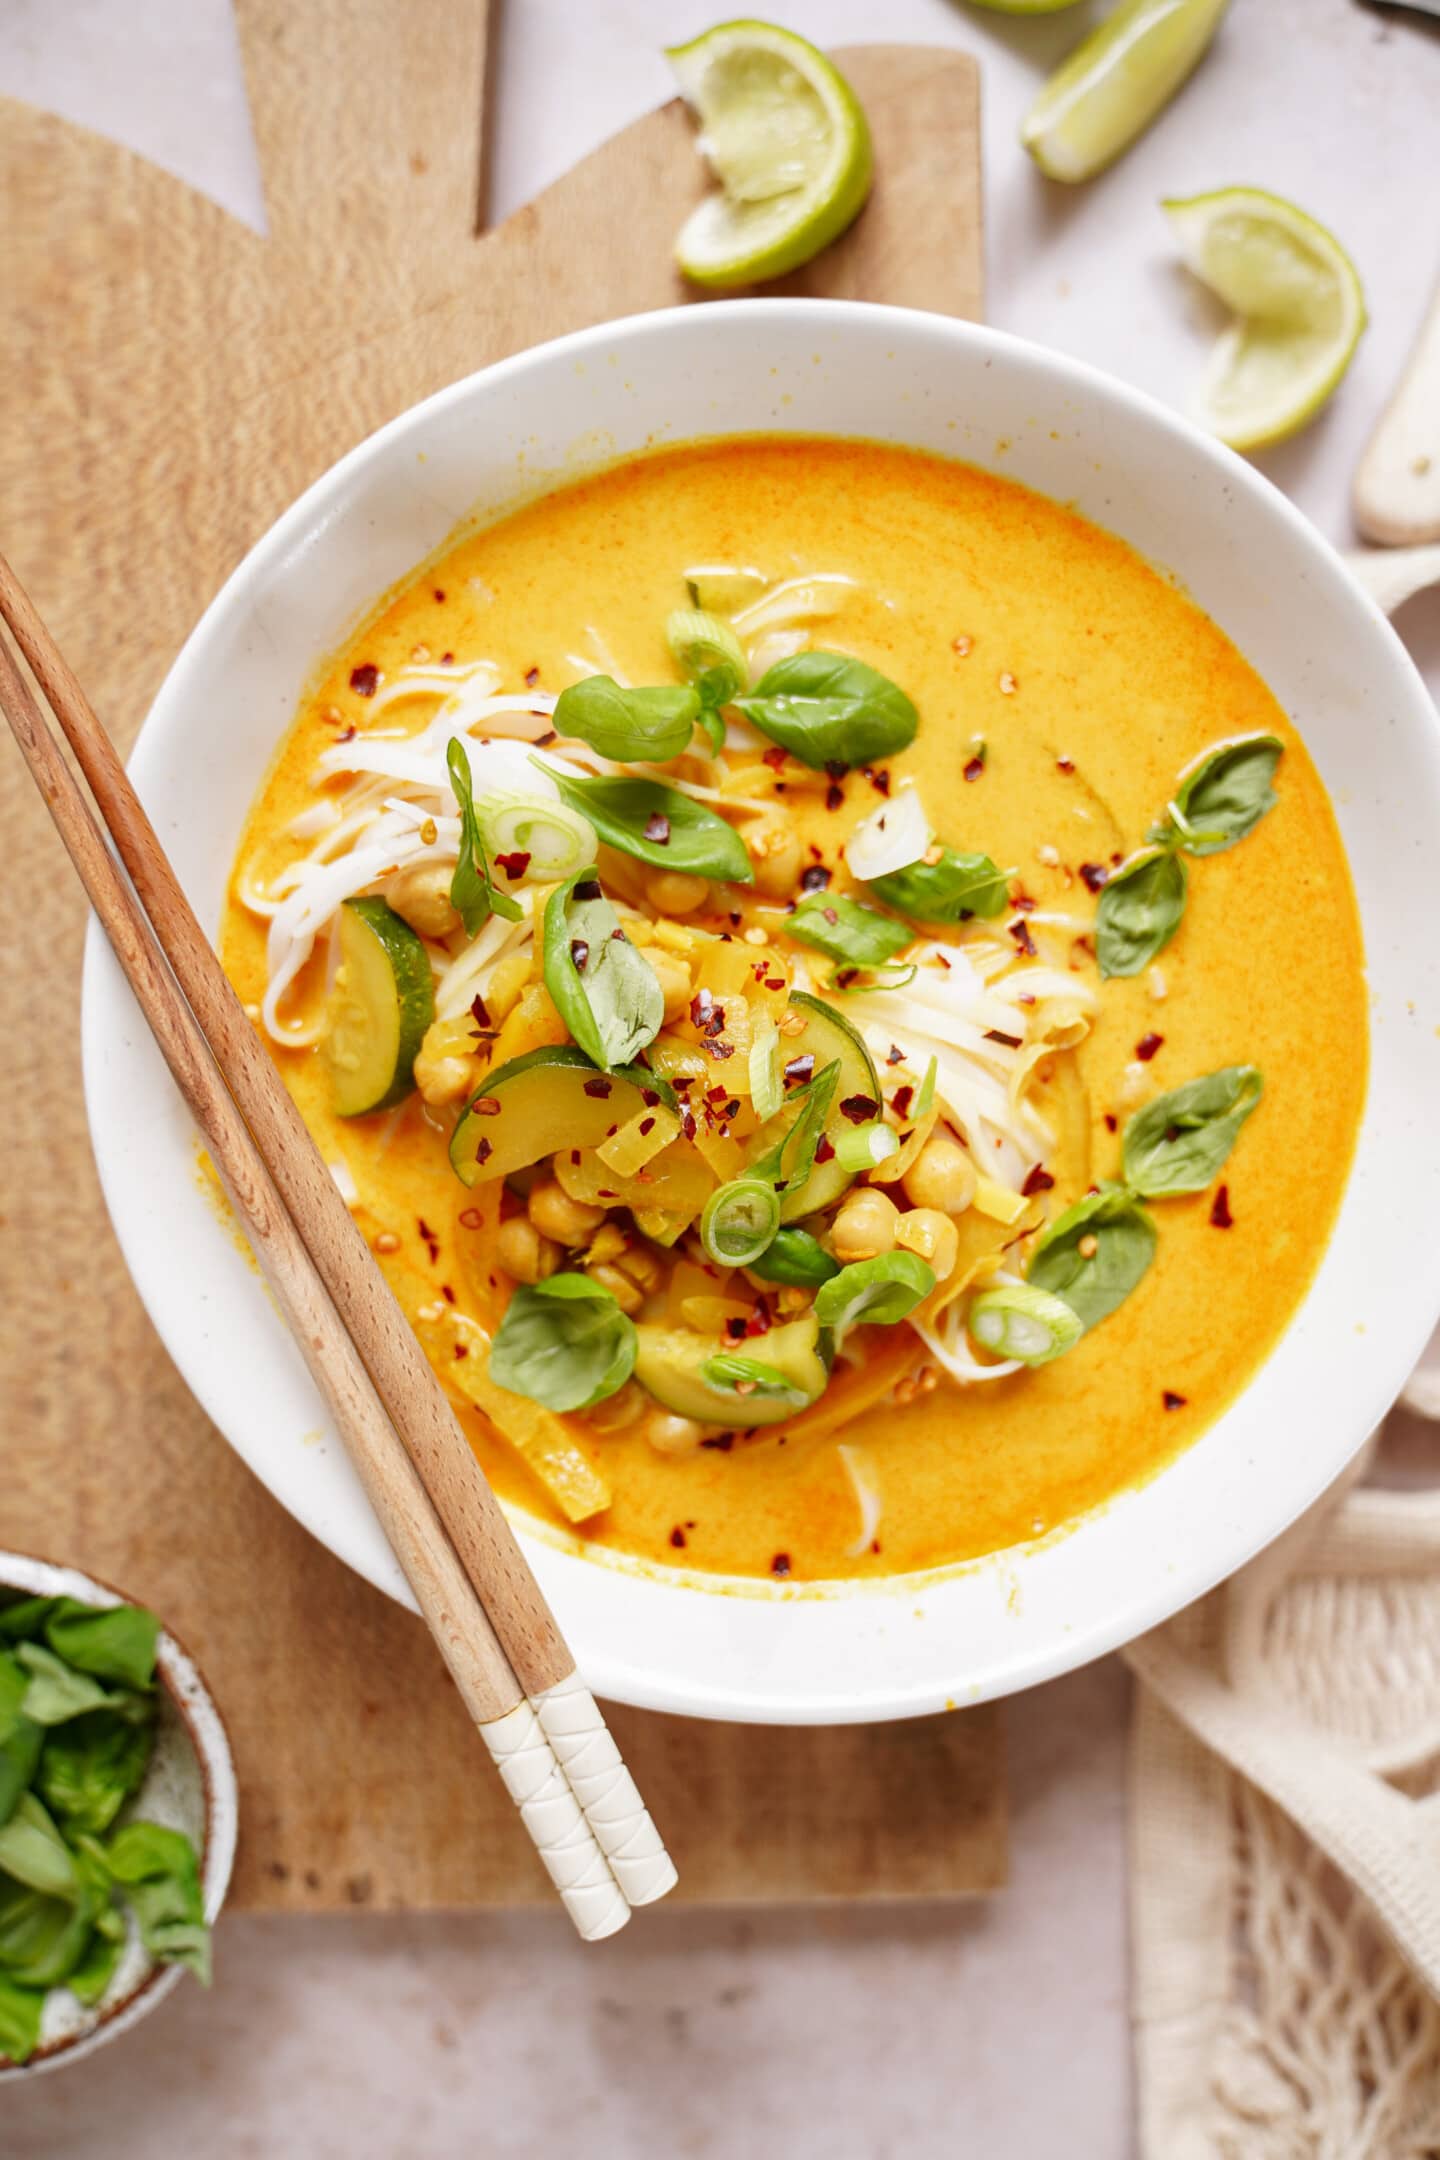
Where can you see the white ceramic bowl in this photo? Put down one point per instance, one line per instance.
(190, 1786)
(1249, 559)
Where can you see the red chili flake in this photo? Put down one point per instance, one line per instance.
(447, 659)
(1065, 765)
(701, 1007)
(480, 1011)
(514, 865)
(774, 757)
(471, 1218)
(878, 779)
(824, 1148)
(647, 1125)
(649, 1097)
(943, 961)
(447, 1293)
(618, 937)
(1220, 1214)
(774, 982)
(759, 1322)
(1093, 875)
(543, 741)
(975, 768)
(845, 976)
(830, 916)
(365, 679)
(1011, 1042)
(834, 796)
(681, 1081)
(483, 1106)
(732, 1108)
(1172, 1401)
(800, 1069)
(579, 953)
(1023, 904)
(723, 1441)
(1020, 931)
(717, 1094)
(599, 1087)
(858, 1108)
(657, 828)
(532, 676)
(604, 1192)
(836, 767)
(780, 1565)
(735, 1328)
(483, 1150)
(716, 1024)
(677, 1536)
(347, 734)
(424, 1228)
(688, 1125)
(440, 594)
(901, 1100)
(815, 879)
(590, 890)
(1147, 1046)
(1112, 1123)
(718, 1050)
(1039, 1180)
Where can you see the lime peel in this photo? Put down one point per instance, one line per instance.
(1299, 311)
(788, 141)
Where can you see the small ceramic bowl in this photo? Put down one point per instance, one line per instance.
(189, 1786)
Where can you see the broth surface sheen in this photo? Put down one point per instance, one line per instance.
(1092, 680)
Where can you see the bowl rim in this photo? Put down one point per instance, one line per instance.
(190, 1698)
(1146, 1605)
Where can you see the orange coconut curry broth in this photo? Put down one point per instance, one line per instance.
(904, 865)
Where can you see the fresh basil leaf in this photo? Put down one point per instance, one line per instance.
(88, 1980)
(874, 1293)
(796, 1258)
(22, 1619)
(158, 1873)
(33, 1853)
(473, 894)
(604, 989)
(711, 721)
(563, 1342)
(20, 2011)
(848, 931)
(789, 1158)
(1179, 1142)
(20, 1737)
(57, 1693)
(90, 1767)
(1139, 911)
(658, 825)
(950, 890)
(1094, 1283)
(1224, 795)
(113, 1642)
(727, 1369)
(827, 709)
(653, 725)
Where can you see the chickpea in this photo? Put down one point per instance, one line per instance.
(865, 1226)
(933, 1236)
(421, 895)
(622, 1287)
(506, 983)
(618, 1410)
(670, 1435)
(674, 979)
(446, 1071)
(523, 1252)
(641, 1265)
(942, 1176)
(673, 892)
(555, 1215)
(778, 856)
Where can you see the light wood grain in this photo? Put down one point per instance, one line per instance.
(171, 382)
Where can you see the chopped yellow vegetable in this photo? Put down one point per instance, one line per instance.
(546, 1443)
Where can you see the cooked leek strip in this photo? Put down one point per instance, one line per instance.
(1015, 1320)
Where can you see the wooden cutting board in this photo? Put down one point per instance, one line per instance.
(171, 381)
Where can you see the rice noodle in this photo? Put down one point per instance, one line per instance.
(860, 1471)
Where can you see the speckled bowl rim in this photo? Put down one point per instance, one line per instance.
(198, 1712)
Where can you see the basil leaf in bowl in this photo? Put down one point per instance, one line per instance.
(1224, 795)
(563, 1342)
(650, 725)
(949, 890)
(1139, 911)
(1180, 1142)
(1094, 1254)
(604, 989)
(659, 825)
(850, 932)
(828, 709)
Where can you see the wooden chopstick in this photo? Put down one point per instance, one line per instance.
(534, 1711)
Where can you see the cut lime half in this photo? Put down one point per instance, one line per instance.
(1024, 7)
(1299, 311)
(1115, 83)
(787, 140)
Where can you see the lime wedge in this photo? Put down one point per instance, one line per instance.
(787, 140)
(1024, 7)
(1115, 82)
(1298, 304)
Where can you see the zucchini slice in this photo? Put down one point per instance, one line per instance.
(550, 1098)
(668, 1366)
(828, 1037)
(381, 1005)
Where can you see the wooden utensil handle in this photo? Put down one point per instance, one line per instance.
(1397, 484)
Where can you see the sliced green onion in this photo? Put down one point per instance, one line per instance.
(767, 1089)
(707, 653)
(866, 1146)
(556, 840)
(750, 1376)
(1018, 1321)
(850, 982)
(797, 1259)
(739, 1221)
(927, 1091)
